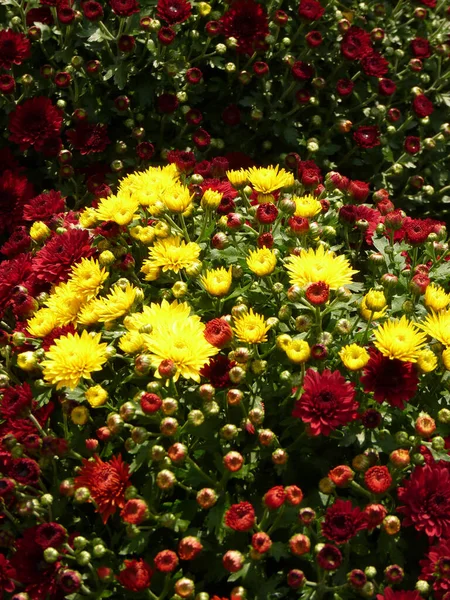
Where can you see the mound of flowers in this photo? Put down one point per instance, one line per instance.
(224, 388)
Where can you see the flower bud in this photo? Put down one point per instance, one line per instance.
(206, 498)
(165, 480)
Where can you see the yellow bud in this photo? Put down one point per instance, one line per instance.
(96, 396)
(79, 415)
(39, 231)
(375, 300)
(106, 258)
(211, 200)
(27, 361)
(204, 8)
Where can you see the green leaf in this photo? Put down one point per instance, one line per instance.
(290, 134)
(121, 75)
(242, 573)
(137, 545)
(387, 153)
(97, 36)
(279, 550)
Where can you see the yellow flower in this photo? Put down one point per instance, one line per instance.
(446, 358)
(173, 254)
(204, 8)
(178, 198)
(120, 208)
(354, 357)
(262, 261)
(251, 328)
(436, 298)
(238, 179)
(79, 415)
(437, 326)
(427, 361)
(211, 199)
(312, 266)
(368, 314)
(298, 351)
(27, 361)
(399, 339)
(73, 357)
(87, 278)
(158, 315)
(116, 304)
(39, 231)
(269, 179)
(96, 396)
(88, 313)
(106, 258)
(149, 188)
(65, 303)
(151, 272)
(131, 342)
(146, 235)
(306, 206)
(217, 282)
(42, 323)
(375, 300)
(88, 218)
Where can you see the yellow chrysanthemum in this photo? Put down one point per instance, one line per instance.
(88, 218)
(159, 315)
(368, 314)
(251, 328)
(120, 208)
(375, 300)
(262, 261)
(87, 278)
(183, 342)
(173, 254)
(266, 180)
(217, 282)
(312, 266)
(88, 313)
(298, 351)
(427, 360)
(96, 396)
(151, 272)
(306, 206)
(436, 297)
(79, 415)
(73, 357)
(131, 342)
(42, 323)
(399, 339)
(446, 358)
(354, 357)
(65, 303)
(437, 325)
(238, 179)
(146, 235)
(211, 199)
(178, 198)
(116, 304)
(149, 188)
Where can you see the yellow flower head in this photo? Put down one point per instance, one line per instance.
(298, 351)
(368, 314)
(149, 188)
(312, 266)
(437, 326)
(39, 231)
(211, 199)
(178, 198)
(88, 218)
(116, 304)
(446, 358)
(158, 315)
(96, 396)
(399, 339)
(251, 328)
(87, 278)
(217, 282)
(427, 360)
(238, 179)
(131, 342)
(436, 298)
(146, 235)
(42, 323)
(79, 415)
(262, 261)
(204, 8)
(151, 272)
(375, 300)
(65, 303)
(88, 313)
(354, 357)
(269, 179)
(120, 208)
(173, 254)
(306, 206)
(73, 357)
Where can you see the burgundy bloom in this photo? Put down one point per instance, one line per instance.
(343, 521)
(344, 87)
(145, 150)
(436, 568)
(393, 381)
(317, 293)
(92, 10)
(412, 144)
(16, 271)
(301, 71)
(416, 231)
(310, 10)
(358, 191)
(240, 517)
(15, 401)
(7, 84)
(19, 241)
(89, 138)
(166, 561)
(7, 574)
(309, 173)
(44, 207)
(219, 167)
(266, 213)
(34, 122)
(314, 39)
(378, 479)
(422, 106)
(260, 68)
(126, 43)
(66, 15)
(375, 65)
(367, 136)
(329, 557)
(185, 161)
(50, 535)
(386, 87)
(426, 500)
(193, 75)
(167, 103)
(25, 471)
(201, 138)
(107, 482)
(356, 44)
(218, 371)
(136, 576)
(371, 418)
(174, 11)
(275, 497)
(421, 48)
(390, 594)
(42, 14)
(327, 402)
(302, 96)
(231, 115)
(14, 48)
(245, 20)
(124, 8)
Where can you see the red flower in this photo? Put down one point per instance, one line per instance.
(294, 495)
(124, 8)
(436, 568)
(329, 557)
(25, 471)
(54, 261)
(16, 401)
(167, 103)
(166, 561)
(145, 150)
(341, 475)
(375, 514)
(185, 161)
(375, 65)
(356, 44)
(34, 123)
(301, 71)
(245, 20)
(266, 213)
(107, 482)
(422, 106)
(261, 542)
(7, 574)
(310, 10)
(50, 535)
(42, 14)
(240, 517)
(58, 332)
(218, 332)
(44, 207)
(14, 48)
(426, 500)
(392, 381)
(136, 576)
(231, 115)
(92, 10)
(314, 39)
(421, 48)
(174, 11)
(343, 521)
(386, 87)
(150, 403)
(359, 192)
(135, 511)
(317, 293)
(201, 138)
(390, 594)
(19, 241)
(275, 497)
(416, 231)
(367, 136)
(344, 87)
(88, 137)
(217, 371)
(7, 84)
(378, 479)
(166, 35)
(298, 225)
(17, 271)
(265, 239)
(327, 402)
(189, 548)
(412, 144)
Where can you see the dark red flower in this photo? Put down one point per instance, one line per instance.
(7, 84)
(260, 68)
(135, 511)
(240, 517)
(124, 8)
(126, 43)
(107, 482)
(92, 10)
(16, 401)
(219, 168)
(367, 136)
(193, 75)
(378, 479)
(343, 521)
(245, 20)
(275, 497)
(344, 87)
(14, 48)
(266, 213)
(390, 594)
(201, 138)
(217, 371)
(218, 332)
(58, 332)
(89, 138)
(302, 96)
(416, 231)
(436, 568)
(429, 3)
(310, 10)
(19, 241)
(309, 173)
(136, 576)
(327, 402)
(145, 150)
(371, 418)
(166, 35)
(317, 293)
(412, 144)
(25, 471)
(16, 271)
(426, 500)
(301, 71)
(166, 561)
(314, 39)
(7, 575)
(167, 103)
(50, 535)
(356, 44)
(34, 122)
(386, 87)
(66, 15)
(174, 11)
(150, 403)
(44, 207)
(422, 106)
(375, 65)
(53, 262)
(42, 14)
(358, 191)
(261, 542)
(298, 225)
(329, 557)
(231, 115)
(421, 48)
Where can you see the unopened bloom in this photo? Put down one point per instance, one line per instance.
(262, 261)
(354, 357)
(96, 396)
(217, 282)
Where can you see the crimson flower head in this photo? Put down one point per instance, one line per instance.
(245, 20)
(343, 521)
(356, 44)
(240, 517)
(358, 191)
(14, 48)
(89, 138)
(266, 213)
(135, 511)
(44, 207)
(420, 47)
(317, 293)
(301, 71)
(107, 483)
(310, 10)
(367, 136)
(390, 594)
(7, 575)
(378, 479)
(275, 497)
(136, 576)
(218, 371)
(218, 332)
(50, 535)
(166, 561)
(344, 87)
(375, 65)
(386, 87)
(124, 8)
(436, 567)
(412, 144)
(174, 11)
(327, 402)
(16, 401)
(329, 557)
(422, 106)
(34, 123)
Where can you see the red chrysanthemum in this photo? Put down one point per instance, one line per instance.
(301, 71)
(50, 338)
(44, 207)
(310, 10)
(7, 575)
(17, 271)
(166, 561)
(343, 521)
(245, 20)
(136, 576)
(218, 332)
(317, 293)
(189, 547)
(34, 123)
(344, 87)
(309, 173)
(107, 482)
(356, 44)
(89, 138)
(174, 11)
(416, 231)
(124, 8)
(50, 535)
(436, 568)
(327, 402)
(358, 191)
(135, 511)
(41, 14)
(218, 371)
(275, 497)
(412, 144)
(92, 10)
(392, 381)
(54, 261)
(375, 65)
(266, 213)
(15, 401)
(390, 594)
(386, 87)
(25, 471)
(367, 136)
(421, 48)
(329, 557)
(14, 48)
(15, 192)
(240, 517)
(378, 479)
(150, 403)
(19, 241)
(422, 106)
(167, 103)
(426, 500)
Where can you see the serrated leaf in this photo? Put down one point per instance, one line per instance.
(121, 76)
(97, 36)
(278, 550)
(137, 545)
(387, 153)
(290, 134)
(241, 573)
